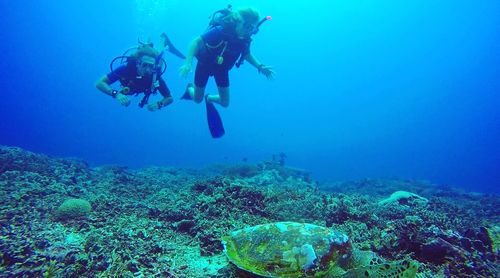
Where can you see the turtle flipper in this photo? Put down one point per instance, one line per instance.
(396, 269)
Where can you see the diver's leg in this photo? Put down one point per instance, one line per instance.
(194, 93)
(222, 81)
(222, 98)
(197, 91)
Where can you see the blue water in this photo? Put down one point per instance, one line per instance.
(363, 88)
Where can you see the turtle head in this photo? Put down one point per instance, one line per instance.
(340, 249)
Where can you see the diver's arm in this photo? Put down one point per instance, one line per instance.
(194, 48)
(103, 85)
(266, 70)
(165, 92)
(252, 60)
(162, 103)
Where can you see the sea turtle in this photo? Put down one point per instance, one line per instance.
(290, 249)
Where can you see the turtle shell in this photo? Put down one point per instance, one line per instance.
(286, 249)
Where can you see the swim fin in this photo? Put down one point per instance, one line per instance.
(214, 120)
(167, 43)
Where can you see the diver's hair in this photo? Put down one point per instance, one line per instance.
(247, 15)
(145, 50)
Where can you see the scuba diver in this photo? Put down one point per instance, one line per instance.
(226, 43)
(138, 73)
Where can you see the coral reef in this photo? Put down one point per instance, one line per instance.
(168, 222)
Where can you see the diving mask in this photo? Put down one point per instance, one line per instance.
(146, 64)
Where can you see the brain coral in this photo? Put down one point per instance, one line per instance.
(73, 209)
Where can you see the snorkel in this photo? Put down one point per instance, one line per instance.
(256, 29)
